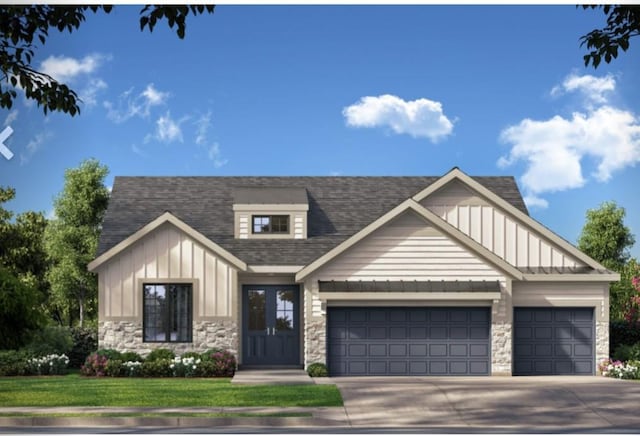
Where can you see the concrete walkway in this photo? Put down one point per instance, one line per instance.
(272, 377)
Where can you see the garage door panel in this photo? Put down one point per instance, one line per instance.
(457, 350)
(551, 341)
(409, 341)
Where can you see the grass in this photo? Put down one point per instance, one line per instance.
(156, 415)
(76, 390)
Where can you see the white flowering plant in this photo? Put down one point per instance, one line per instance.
(52, 364)
(132, 369)
(623, 370)
(184, 366)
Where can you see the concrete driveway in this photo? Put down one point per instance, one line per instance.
(522, 404)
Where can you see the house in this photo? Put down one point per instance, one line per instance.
(370, 275)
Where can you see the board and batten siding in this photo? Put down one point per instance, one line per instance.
(166, 254)
(407, 249)
(497, 231)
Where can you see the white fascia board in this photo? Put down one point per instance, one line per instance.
(408, 296)
(274, 269)
(167, 217)
(601, 278)
(270, 207)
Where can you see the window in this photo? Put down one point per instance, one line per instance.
(270, 223)
(168, 312)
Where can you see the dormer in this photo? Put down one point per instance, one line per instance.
(270, 213)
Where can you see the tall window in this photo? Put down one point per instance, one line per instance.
(270, 223)
(168, 312)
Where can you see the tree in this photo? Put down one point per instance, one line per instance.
(22, 273)
(21, 27)
(623, 23)
(71, 239)
(604, 236)
(19, 310)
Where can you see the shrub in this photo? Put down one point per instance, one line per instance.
(622, 332)
(224, 364)
(85, 342)
(185, 366)
(627, 352)
(193, 354)
(131, 356)
(114, 368)
(156, 368)
(13, 362)
(110, 353)
(95, 365)
(616, 369)
(317, 370)
(132, 369)
(52, 364)
(160, 353)
(210, 352)
(51, 339)
(206, 368)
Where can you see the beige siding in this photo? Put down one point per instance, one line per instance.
(166, 254)
(407, 249)
(565, 294)
(508, 238)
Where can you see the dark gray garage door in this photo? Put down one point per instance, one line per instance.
(409, 341)
(553, 341)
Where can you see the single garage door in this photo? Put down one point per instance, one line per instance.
(554, 341)
(409, 341)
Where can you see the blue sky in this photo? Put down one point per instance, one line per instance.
(344, 90)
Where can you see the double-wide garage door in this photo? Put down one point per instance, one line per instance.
(550, 341)
(409, 341)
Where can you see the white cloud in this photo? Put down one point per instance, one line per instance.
(11, 118)
(533, 201)
(33, 146)
(418, 118)
(65, 69)
(139, 105)
(594, 89)
(167, 129)
(89, 93)
(202, 127)
(565, 152)
(214, 155)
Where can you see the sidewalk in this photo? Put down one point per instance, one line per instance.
(322, 417)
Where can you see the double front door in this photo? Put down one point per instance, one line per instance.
(271, 325)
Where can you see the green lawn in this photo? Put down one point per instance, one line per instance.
(75, 390)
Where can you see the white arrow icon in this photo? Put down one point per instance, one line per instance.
(4, 150)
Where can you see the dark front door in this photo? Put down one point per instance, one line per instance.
(271, 325)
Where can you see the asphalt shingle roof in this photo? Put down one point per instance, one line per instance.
(338, 208)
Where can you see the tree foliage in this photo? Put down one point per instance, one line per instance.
(23, 27)
(605, 237)
(623, 23)
(23, 287)
(71, 240)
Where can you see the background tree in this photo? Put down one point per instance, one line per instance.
(71, 240)
(22, 27)
(623, 23)
(605, 238)
(23, 286)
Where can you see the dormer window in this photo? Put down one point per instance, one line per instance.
(263, 212)
(270, 223)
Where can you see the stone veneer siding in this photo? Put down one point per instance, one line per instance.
(501, 348)
(602, 341)
(315, 343)
(127, 336)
